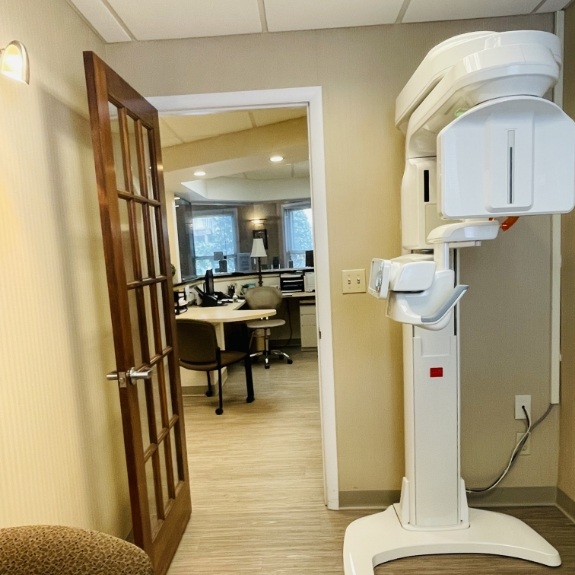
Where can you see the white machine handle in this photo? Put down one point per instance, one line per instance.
(457, 293)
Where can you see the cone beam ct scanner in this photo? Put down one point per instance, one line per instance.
(483, 146)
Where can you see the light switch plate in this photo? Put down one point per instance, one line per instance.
(353, 281)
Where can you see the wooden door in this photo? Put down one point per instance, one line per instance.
(126, 141)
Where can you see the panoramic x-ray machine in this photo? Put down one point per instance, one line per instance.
(482, 147)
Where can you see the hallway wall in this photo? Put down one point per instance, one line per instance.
(567, 446)
(61, 449)
(361, 72)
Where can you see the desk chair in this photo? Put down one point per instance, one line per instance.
(261, 298)
(59, 550)
(199, 351)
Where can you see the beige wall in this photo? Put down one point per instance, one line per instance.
(505, 347)
(61, 452)
(567, 450)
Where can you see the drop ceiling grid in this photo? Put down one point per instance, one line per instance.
(554, 5)
(426, 11)
(124, 20)
(102, 20)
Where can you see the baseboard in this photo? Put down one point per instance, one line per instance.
(514, 497)
(368, 499)
(502, 497)
(566, 504)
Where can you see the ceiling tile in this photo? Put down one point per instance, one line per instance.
(102, 20)
(165, 19)
(433, 10)
(266, 116)
(198, 127)
(553, 5)
(282, 15)
(167, 136)
(275, 173)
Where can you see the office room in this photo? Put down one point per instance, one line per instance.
(62, 449)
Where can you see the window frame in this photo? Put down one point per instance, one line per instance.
(230, 256)
(287, 208)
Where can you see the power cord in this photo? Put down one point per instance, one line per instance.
(529, 428)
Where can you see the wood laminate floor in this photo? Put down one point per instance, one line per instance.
(257, 490)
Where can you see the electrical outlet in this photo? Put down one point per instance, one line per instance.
(353, 281)
(520, 402)
(526, 449)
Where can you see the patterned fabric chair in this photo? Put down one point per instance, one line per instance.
(58, 550)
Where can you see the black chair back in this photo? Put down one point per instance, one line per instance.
(197, 341)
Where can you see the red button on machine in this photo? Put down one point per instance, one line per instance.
(435, 372)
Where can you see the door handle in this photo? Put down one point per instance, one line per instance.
(131, 375)
(145, 373)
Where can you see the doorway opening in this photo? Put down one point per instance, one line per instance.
(311, 98)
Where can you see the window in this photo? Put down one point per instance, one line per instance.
(298, 232)
(215, 232)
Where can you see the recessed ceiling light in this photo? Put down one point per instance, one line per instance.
(276, 159)
(199, 173)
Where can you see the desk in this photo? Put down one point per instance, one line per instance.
(224, 313)
(218, 315)
(307, 317)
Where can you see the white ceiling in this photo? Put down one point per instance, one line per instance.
(129, 20)
(141, 20)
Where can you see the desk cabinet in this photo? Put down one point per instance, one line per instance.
(308, 324)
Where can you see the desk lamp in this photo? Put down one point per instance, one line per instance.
(259, 252)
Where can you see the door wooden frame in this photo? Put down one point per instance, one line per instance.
(311, 97)
(129, 175)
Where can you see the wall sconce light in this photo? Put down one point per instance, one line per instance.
(259, 252)
(258, 222)
(14, 62)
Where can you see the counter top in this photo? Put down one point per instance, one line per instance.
(225, 313)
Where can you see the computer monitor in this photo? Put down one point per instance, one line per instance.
(209, 283)
(309, 259)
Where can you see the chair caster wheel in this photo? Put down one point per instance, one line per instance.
(267, 365)
(219, 411)
(209, 393)
(290, 361)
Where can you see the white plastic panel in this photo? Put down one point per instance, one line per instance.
(512, 156)
(418, 203)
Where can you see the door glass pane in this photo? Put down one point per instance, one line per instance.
(117, 147)
(140, 237)
(126, 240)
(178, 472)
(155, 220)
(153, 191)
(160, 291)
(166, 489)
(148, 188)
(143, 404)
(151, 488)
(169, 400)
(149, 322)
(157, 402)
(133, 150)
(135, 328)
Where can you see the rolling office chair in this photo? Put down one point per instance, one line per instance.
(266, 297)
(60, 550)
(199, 351)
